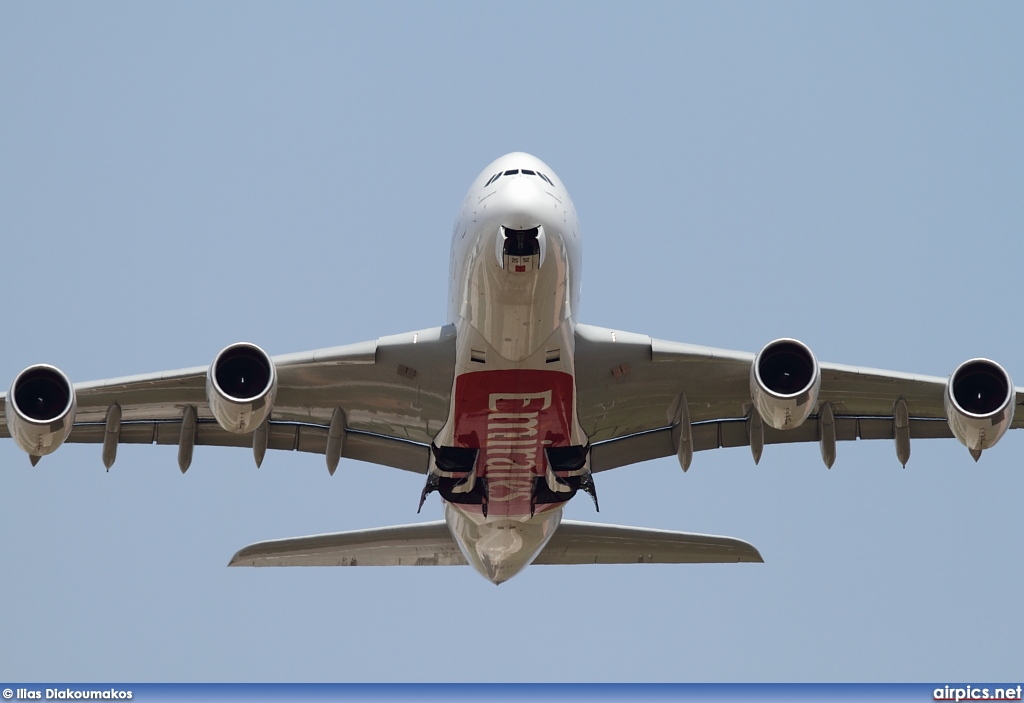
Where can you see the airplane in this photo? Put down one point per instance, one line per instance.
(512, 407)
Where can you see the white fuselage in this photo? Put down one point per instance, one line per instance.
(514, 395)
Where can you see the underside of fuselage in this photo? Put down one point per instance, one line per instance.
(512, 452)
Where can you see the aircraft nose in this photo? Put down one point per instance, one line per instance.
(519, 202)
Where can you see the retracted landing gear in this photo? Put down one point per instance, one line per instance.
(453, 474)
(568, 471)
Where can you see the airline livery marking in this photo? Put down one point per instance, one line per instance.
(511, 417)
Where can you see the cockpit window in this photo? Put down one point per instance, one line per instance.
(517, 171)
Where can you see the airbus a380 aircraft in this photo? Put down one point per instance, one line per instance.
(512, 407)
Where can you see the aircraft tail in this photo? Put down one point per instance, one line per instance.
(431, 544)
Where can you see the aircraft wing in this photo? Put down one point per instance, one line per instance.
(431, 544)
(629, 385)
(394, 390)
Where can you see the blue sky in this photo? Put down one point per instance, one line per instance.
(177, 177)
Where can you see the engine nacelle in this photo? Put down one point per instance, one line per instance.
(784, 383)
(40, 409)
(979, 403)
(241, 386)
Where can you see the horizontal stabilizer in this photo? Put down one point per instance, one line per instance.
(422, 544)
(431, 544)
(594, 543)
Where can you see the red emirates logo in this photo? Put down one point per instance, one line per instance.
(512, 416)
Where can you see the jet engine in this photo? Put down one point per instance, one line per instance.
(784, 383)
(979, 402)
(40, 409)
(241, 386)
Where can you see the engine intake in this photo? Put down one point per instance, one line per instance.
(979, 403)
(784, 383)
(41, 409)
(241, 386)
